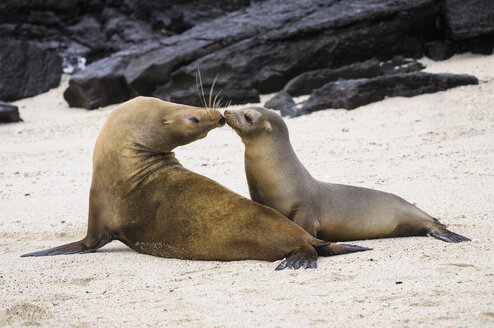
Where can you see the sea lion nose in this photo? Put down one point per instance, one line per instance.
(222, 121)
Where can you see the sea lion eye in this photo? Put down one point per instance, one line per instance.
(193, 119)
(248, 118)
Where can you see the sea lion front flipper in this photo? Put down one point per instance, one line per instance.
(337, 249)
(299, 258)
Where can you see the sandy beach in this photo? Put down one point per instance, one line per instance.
(435, 150)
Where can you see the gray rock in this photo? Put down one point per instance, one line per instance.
(27, 69)
(256, 47)
(80, 26)
(469, 19)
(350, 94)
(304, 83)
(282, 102)
(9, 113)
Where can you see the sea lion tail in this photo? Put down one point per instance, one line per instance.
(439, 231)
(86, 245)
(330, 249)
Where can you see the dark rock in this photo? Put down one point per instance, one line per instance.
(84, 31)
(411, 46)
(440, 49)
(81, 24)
(276, 55)
(106, 87)
(88, 32)
(9, 113)
(282, 102)
(350, 94)
(122, 30)
(27, 69)
(265, 45)
(256, 46)
(469, 19)
(44, 18)
(304, 83)
(177, 16)
(482, 45)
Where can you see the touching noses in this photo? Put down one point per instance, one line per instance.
(222, 121)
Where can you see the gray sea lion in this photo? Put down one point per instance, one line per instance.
(331, 212)
(142, 196)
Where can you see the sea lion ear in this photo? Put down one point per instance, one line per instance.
(165, 122)
(268, 127)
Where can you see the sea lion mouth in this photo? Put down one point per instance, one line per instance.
(231, 120)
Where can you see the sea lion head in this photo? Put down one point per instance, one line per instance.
(157, 126)
(252, 123)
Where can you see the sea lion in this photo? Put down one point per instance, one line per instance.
(331, 212)
(142, 196)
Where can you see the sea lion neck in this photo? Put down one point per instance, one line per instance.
(143, 164)
(271, 159)
(166, 159)
(142, 154)
(124, 167)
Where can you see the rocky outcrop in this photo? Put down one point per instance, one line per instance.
(304, 83)
(263, 46)
(96, 28)
(118, 49)
(350, 94)
(9, 113)
(27, 69)
(83, 31)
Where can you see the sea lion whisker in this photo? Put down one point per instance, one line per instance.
(215, 98)
(219, 102)
(202, 90)
(199, 80)
(212, 88)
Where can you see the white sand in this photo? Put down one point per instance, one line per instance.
(436, 150)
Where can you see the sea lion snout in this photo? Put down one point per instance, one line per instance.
(222, 121)
(230, 117)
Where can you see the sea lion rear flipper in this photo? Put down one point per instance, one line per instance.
(86, 245)
(299, 258)
(439, 231)
(447, 236)
(337, 249)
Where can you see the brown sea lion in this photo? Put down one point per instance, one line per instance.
(331, 212)
(142, 196)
